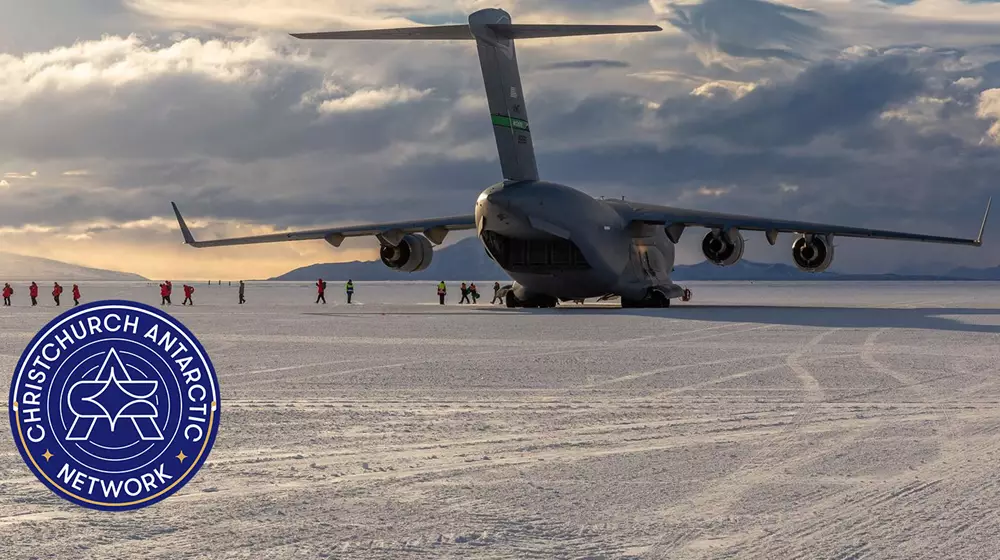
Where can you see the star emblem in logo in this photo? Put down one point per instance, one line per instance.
(113, 395)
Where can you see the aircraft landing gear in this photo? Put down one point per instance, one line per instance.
(512, 301)
(654, 298)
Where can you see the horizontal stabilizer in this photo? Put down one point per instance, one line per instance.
(533, 31)
(464, 32)
(434, 32)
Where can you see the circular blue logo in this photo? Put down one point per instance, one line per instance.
(114, 405)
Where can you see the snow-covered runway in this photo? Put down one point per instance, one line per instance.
(813, 420)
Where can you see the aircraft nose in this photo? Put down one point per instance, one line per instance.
(489, 197)
(494, 200)
(495, 211)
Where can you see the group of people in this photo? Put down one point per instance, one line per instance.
(321, 290)
(470, 294)
(57, 291)
(468, 291)
(167, 287)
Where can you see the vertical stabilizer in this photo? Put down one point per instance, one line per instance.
(503, 92)
(494, 35)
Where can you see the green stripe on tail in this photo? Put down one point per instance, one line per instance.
(507, 122)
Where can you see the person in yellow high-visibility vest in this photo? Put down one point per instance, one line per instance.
(350, 290)
(442, 291)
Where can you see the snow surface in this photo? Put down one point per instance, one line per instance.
(765, 420)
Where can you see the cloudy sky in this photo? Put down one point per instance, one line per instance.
(862, 112)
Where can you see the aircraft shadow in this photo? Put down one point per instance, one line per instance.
(932, 318)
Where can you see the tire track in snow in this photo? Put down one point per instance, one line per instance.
(811, 386)
(725, 492)
(868, 357)
(467, 355)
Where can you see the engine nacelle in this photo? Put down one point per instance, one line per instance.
(812, 253)
(413, 254)
(723, 248)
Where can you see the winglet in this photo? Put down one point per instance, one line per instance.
(188, 238)
(979, 240)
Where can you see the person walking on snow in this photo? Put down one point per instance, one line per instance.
(7, 292)
(164, 294)
(56, 291)
(76, 295)
(242, 301)
(350, 290)
(188, 290)
(465, 294)
(321, 291)
(33, 292)
(496, 293)
(474, 292)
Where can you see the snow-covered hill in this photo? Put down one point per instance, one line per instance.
(21, 267)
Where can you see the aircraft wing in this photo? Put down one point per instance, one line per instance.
(434, 229)
(676, 219)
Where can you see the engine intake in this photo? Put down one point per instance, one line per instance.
(723, 248)
(812, 253)
(413, 254)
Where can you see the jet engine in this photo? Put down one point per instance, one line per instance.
(723, 248)
(412, 254)
(812, 253)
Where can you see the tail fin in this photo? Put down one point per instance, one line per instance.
(503, 94)
(494, 35)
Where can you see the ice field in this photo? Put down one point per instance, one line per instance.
(766, 421)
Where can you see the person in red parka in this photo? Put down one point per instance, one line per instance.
(33, 292)
(321, 290)
(56, 290)
(76, 295)
(7, 292)
(164, 294)
(188, 290)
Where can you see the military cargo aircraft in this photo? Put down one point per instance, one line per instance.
(555, 242)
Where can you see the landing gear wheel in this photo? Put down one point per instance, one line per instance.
(511, 300)
(654, 298)
(658, 299)
(534, 302)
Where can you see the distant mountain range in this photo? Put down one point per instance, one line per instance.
(23, 268)
(749, 270)
(464, 260)
(467, 260)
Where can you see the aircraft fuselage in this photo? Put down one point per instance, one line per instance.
(557, 242)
